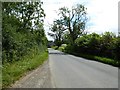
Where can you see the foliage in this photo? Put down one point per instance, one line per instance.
(57, 30)
(12, 72)
(22, 30)
(70, 24)
(105, 45)
(62, 47)
(24, 41)
(116, 49)
(55, 47)
(100, 59)
(73, 20)
(88, 43)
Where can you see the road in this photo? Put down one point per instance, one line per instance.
(38, 78)
(68, 71)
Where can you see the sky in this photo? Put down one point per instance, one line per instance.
(102, 14)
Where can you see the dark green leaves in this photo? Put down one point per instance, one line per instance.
(21, 36)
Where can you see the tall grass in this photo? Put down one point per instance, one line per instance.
(13, 71)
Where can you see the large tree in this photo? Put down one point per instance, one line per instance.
(73, 20)
(57, 32)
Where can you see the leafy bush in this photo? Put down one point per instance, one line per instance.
(55, 47)
(105, 45)
(69, 48)
(24, 43)
(20, 37)
(116, 49)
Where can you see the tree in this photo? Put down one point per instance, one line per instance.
(116, 48)
(73, 20)
(57, 30)
(22, 29)
(30, 14)
(66, 37)
(107, 44)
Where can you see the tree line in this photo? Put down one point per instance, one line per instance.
(70, 28)
(22, 30)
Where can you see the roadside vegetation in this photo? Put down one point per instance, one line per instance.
(13, 71)
(24, 44)
(70, 29)
(101, 50)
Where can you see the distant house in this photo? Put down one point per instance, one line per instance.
(50, 44)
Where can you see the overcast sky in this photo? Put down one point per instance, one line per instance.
(102, 14)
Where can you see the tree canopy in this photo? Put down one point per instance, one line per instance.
(22, 29)
(71, 20)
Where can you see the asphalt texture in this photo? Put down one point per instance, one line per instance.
(68, 71)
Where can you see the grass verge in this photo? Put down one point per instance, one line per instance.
(12, 72)
(100, 59)
(105, 60)
(55, 47)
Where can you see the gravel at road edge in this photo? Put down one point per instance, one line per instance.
(38, 78)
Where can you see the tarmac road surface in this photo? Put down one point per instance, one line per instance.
(68, 71)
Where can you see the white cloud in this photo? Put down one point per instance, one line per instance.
(103, 14)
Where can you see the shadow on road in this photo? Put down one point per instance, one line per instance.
(57, 53)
